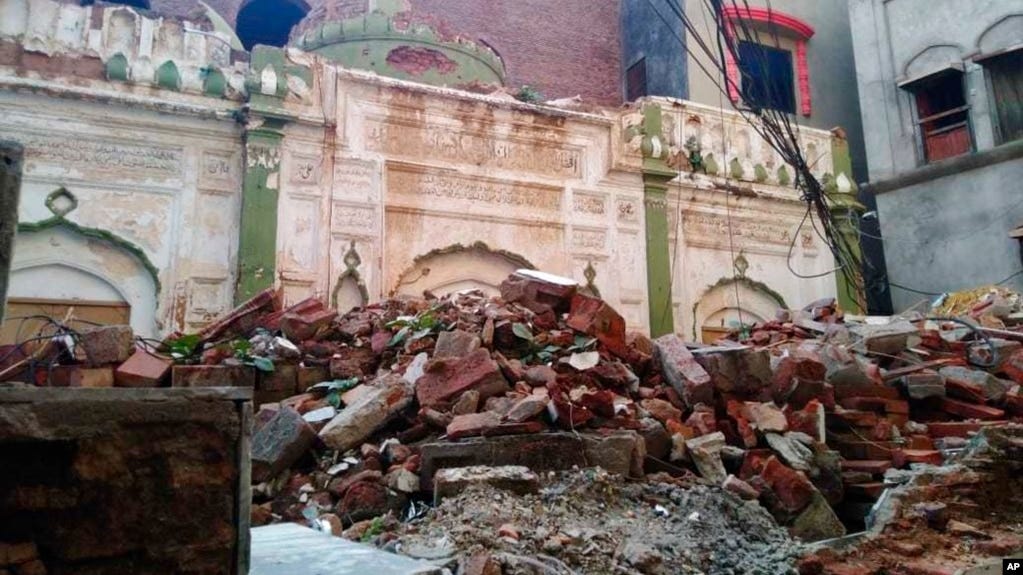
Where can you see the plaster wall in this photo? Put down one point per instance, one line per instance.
(944, 228)
(169, 186)
(933, 248)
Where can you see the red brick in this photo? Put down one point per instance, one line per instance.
(1013, 367)
(808, 419)
(952, 429)
(682, 371)
(366, 500)
(79, 376)
(301, 325)
(852, 418)
(798, 379)
(766, 417)
(965, 390)
(901, 457)
(446, 379)
(874, 467)
(143, 369)
(793, 490)
(703, 422)
(353, 362)
(213, 376)
(970, 410)
(661, 410)
(488, 424)
(594, 317)
(926, 567)
(538, 291)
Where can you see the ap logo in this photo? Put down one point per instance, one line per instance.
(1014, 566)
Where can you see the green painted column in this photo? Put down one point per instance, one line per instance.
(847, 210)
(656, 175)
(257, 238)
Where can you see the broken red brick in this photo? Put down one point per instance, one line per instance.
(873, 467)
(792, 489)
(661, 410)
(538, 291)
(797, 380)
(488, 423)
(444, 379)
(80, 376)
(213, 376)
(970, 410)
(143, 369)
(594, 317)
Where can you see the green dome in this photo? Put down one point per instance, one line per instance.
(389, 45)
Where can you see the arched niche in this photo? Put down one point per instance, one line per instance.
(732, 301)
(1003, 34)
(456, 268)
(59, 261)
(932, 59)
(268, 22)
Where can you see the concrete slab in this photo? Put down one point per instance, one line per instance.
(290, 549)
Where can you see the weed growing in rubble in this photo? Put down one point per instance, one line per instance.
(538, 352)
(413, 327)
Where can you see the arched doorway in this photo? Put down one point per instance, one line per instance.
(57, 267)
(733, 303)
(268, 22)
(458, 268)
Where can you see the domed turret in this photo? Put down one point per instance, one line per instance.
(389, 40)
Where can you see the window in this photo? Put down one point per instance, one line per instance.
(1006, 73)
(767, 79)
(943, 117)
(635, 81)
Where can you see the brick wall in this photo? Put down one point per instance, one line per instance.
(560, 48)
(141, 481)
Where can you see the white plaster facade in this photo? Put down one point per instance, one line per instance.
(433, 188)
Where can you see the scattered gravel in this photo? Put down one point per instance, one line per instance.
(589, 522)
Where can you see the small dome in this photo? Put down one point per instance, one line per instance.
(391, 41)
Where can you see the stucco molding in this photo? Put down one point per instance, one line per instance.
(996, 25)
(107, 236)
(1004, 153)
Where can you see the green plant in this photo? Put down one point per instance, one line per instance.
(335, 388)
(537, 352)
(376, 527)
(242, 349)
(184, 349)
(529, 95)
(413, 327)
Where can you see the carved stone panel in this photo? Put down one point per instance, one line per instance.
(456, 144)
(448, 190)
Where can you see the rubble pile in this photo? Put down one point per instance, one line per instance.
(942, 520)
(365, 414)
(592, 522)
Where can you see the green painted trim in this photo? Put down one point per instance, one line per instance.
(727, 281)
(213, 82)
(97, 234)
(257, 233)
(735, 169)
(167, 76)
(784, 178)
(846, 210)
(759, 174)
(117, 68)
(656, 175)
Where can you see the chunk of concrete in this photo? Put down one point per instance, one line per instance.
(279, 443)
(705, 452)
(384, 399)
(514, 478)
(682, 371)
(457, 343)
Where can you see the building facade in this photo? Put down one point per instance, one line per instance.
(941, 89)
(168, 176)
